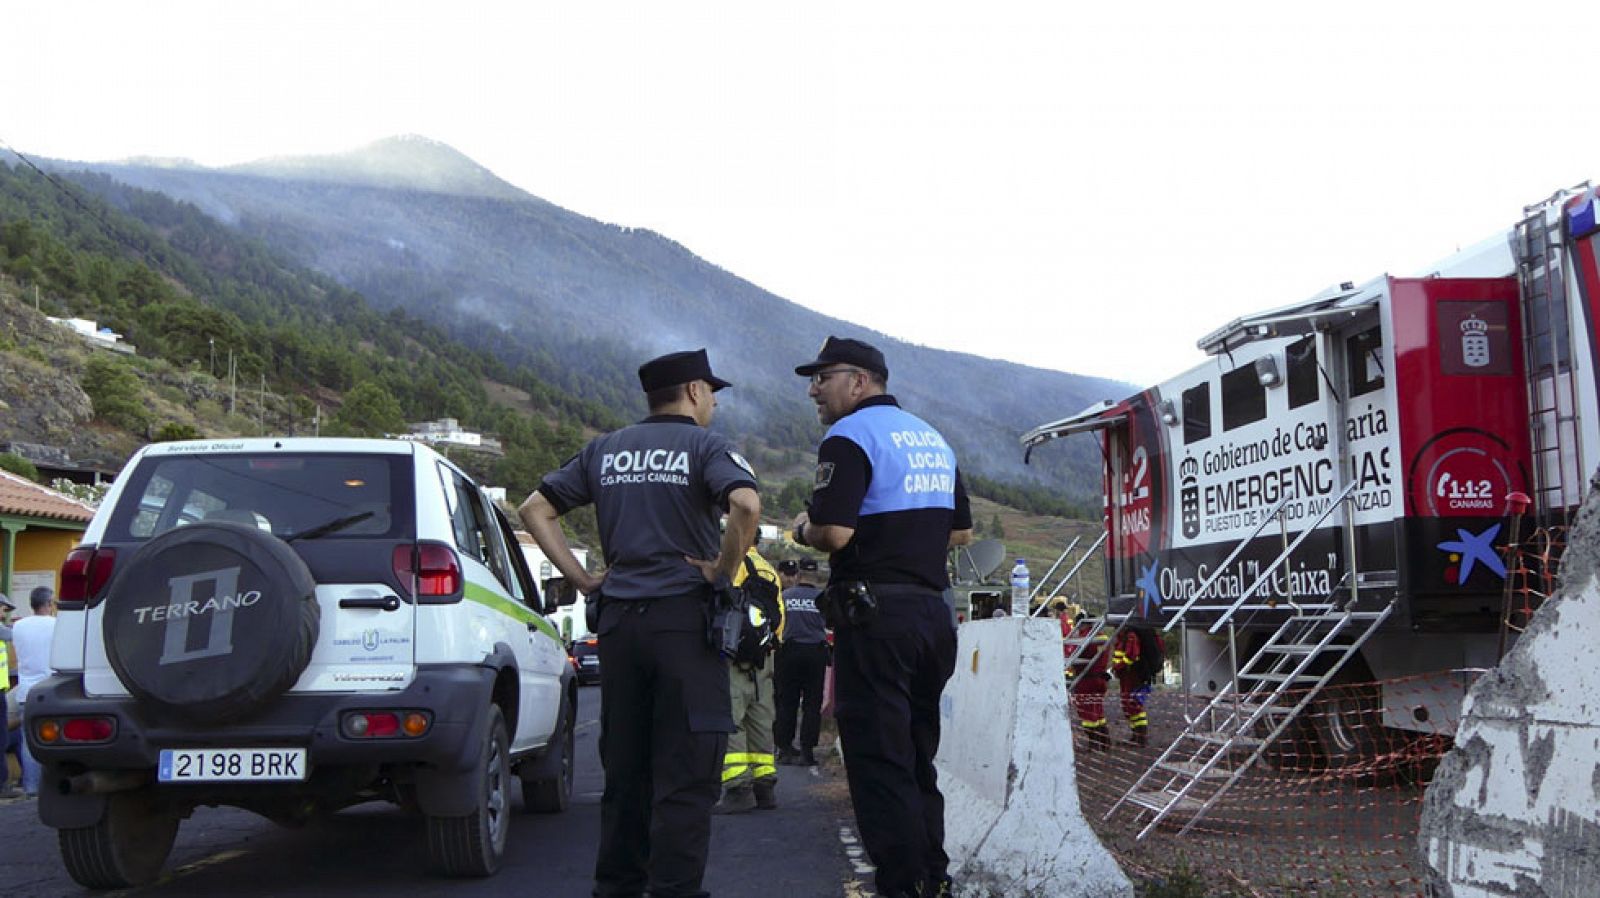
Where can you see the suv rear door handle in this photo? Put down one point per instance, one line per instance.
(382, 603)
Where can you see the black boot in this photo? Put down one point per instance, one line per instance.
(737, 800)
(1140, 737)
(766, 795)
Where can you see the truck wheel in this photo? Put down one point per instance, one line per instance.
(547, 783)
(1343, 725)
(1346, 723)
(475, 845)
(126, 848)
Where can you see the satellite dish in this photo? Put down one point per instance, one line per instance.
(976, 562)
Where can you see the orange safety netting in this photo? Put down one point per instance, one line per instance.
(1531, 568)
(1332, 806)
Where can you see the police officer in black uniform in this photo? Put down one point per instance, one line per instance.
(887, 503)
(799, 669)
(659, 488)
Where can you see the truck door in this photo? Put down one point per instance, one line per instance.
(1134, 490)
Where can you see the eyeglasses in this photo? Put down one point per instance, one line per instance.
(821, 377)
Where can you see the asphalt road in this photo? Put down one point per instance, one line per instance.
(803, 849)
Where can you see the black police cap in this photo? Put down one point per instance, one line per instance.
(788, 566)
(845, 351)
(678, 368)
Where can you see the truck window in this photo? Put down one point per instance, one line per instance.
(1197, 413)
(1244, 399)
(1301, 358)
(1365, 355)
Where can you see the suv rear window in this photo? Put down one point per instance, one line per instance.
(280, 493)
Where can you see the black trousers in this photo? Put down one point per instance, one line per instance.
(797, 676)
(888, 678)
(665, 717)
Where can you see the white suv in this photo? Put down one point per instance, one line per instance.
(294, 626)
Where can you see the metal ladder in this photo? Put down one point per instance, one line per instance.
(1097, 624)
(1090, 646)
(1067, 578)
(1547, 353)
(1221, 743)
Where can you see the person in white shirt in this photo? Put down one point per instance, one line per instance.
(31, 638)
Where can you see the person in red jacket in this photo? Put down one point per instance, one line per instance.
(1134, 676)
(1088, 675)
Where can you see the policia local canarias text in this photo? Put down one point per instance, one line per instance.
(931, 469)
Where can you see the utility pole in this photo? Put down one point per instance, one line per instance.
(316, 423)
(213, 342)
(233, 383)
(261, 405)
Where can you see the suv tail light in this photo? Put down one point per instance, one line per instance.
(386, 724)
(85, 573)
(75, 729)
(435, 567)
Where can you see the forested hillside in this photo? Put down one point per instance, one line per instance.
(412, 224)
(190, 292)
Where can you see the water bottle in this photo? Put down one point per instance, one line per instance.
(1019, 589)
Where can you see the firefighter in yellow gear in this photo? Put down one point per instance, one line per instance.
(1087, 676)
(1135, 674)
(749, 769)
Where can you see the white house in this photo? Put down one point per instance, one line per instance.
(448, 431)
(91, 331)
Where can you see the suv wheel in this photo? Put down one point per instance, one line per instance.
(126, 848)
(475, 845)
(547, 782)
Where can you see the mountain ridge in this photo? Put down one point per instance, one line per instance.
(403, 162)
(583, 301)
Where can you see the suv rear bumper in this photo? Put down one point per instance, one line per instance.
(454, 695)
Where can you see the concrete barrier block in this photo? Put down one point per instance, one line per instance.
(1013, 825)
(1515, 806)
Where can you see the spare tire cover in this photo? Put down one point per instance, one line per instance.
(211, 620)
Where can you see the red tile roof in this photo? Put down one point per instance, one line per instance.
(24, 498)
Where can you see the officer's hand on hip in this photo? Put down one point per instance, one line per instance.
(707, 569)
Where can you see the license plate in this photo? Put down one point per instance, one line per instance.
(589, 662)
(211, 765)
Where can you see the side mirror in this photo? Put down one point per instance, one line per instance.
(559, 592)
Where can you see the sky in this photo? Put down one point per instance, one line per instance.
(1075, 186)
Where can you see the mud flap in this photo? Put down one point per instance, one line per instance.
(452, 791)
(59, 811)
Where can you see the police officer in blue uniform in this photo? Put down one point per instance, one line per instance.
(887, 504)
(799, 669)
(659, 488)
